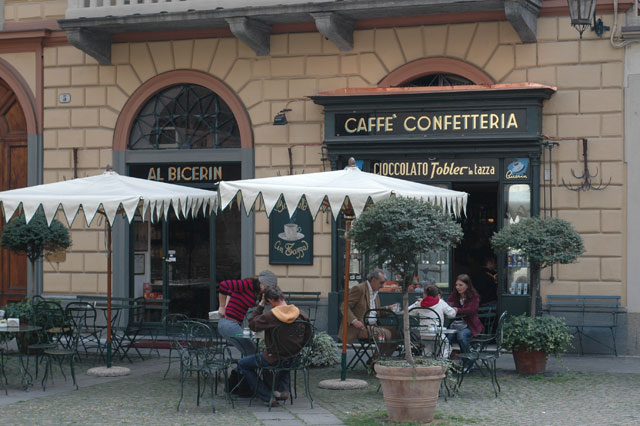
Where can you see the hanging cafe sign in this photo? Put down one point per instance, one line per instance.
(458, 169)
(426, 123)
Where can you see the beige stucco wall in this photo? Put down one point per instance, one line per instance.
(588, 103)
(33, 10)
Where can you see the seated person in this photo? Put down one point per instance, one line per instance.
(363, 297)
(432, 299)
(465, 300)
(280, 313)
(235, 297)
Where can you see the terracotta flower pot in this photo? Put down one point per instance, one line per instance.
(529, 362)
(410, 395)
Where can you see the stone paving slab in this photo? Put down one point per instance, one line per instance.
(591, 396)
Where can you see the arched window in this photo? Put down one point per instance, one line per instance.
(438, 79)
(184, 116)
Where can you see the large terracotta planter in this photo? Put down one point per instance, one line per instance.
(410, 395)
(529, 362)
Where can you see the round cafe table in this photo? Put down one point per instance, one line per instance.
(18, 332)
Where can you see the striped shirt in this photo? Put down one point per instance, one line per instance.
(240, 298)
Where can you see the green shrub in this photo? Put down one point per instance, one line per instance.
(544, 333)
(324, 351)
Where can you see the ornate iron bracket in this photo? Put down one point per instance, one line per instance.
(586, 175)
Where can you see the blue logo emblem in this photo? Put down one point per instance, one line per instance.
(518, 167)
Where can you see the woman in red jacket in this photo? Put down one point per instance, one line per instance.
(465, 300)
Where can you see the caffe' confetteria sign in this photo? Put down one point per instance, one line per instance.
(425, 123)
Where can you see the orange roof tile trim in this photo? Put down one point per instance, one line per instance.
(438, 89)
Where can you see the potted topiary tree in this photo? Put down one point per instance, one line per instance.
(545, 242)
(36, 238)
(394, 232)
(532, 340)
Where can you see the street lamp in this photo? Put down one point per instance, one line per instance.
(582, 12)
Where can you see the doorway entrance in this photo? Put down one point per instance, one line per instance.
(13, 174)
(186, 259)
(478, 225)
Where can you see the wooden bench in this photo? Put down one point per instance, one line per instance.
(307, 301)
(587, 312)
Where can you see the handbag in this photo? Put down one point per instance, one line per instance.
(458, 325)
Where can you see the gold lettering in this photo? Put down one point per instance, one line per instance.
(474, 117)
(184, 176)
(483, 121)
(433, 167)
(494, 121)
(413, 169)
(512, 121)
(456, 122)
(217, 173)
(424, 127)
(406, 123)
(172, 173)
(388, 124)
(362, 125)
(403, 169)
(466, 118)
(379, 123)
(437, 122)
(152, 174)
(370, 123)
(195, 173)
(447, 121)
(376, 168)
(346, 125)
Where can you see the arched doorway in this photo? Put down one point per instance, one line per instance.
(186, 128)
(13, 174)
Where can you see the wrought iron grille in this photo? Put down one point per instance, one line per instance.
(184, 116)
(438, 80)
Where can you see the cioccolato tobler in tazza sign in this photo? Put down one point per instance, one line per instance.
(430, 122)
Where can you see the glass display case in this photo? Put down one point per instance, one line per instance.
(518, 205)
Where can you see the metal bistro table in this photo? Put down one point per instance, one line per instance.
(27, 379)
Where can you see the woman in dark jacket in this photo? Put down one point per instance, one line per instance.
(465, 300)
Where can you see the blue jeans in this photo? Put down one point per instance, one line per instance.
(248, 366)
(230, 330)
(463, 337)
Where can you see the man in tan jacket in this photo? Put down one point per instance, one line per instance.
(363, 297)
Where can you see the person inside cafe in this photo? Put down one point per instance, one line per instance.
(290, 343)
(485, 282)
(235, 297)
(465, 301)
(362, 297)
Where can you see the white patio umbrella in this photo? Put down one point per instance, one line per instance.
(347, 190)
(109, 194)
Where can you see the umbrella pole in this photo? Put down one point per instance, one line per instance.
(345, 311)
(108, 294)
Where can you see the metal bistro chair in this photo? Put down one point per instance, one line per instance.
(43, 313)
(61, 354)
(135, 325)
(385, 319)
(83, 316)
(483, 357)
(199, 354)
(172, 326)
(289, 357)
(427, 338)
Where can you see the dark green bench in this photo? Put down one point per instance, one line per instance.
(587, 312)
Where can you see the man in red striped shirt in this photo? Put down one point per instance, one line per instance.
(235, 297)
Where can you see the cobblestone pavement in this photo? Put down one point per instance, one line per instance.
(565, 398)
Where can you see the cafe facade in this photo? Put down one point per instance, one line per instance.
(475, 101)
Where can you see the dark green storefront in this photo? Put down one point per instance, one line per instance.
(484, 140)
